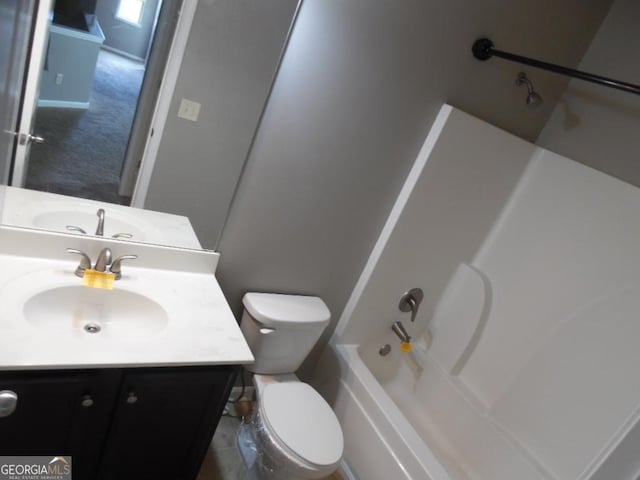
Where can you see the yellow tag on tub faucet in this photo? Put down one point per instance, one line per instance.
(96, 279)
(406, 347)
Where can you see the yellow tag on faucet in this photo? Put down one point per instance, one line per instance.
(406, 347)
(96, 279)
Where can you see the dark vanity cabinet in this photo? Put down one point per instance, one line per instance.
(138, 423)
(163, 422)
(58, 413)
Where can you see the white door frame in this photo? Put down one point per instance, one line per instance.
(163, 104)
(31, 92)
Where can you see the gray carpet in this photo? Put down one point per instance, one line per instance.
(84, 149)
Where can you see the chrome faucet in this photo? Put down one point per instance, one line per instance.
(402, 334)
(100, 229)
(103, 261)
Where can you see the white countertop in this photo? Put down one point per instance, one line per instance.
(201, 329)
(49, 211)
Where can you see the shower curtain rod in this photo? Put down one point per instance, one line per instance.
(483, 50)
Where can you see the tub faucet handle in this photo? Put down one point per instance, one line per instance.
(410, 302)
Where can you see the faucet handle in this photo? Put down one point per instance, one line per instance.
(73, 228)
(116, 266)
(122, 235)
(410, 302)
(85, 261)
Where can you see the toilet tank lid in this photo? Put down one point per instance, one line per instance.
(272, 309)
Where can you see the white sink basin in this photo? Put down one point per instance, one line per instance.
(78, 310)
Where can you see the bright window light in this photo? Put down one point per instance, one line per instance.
(130, 11)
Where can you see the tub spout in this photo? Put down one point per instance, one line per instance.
(402, 334)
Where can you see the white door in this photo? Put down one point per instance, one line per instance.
(35, 58)
(15, 27)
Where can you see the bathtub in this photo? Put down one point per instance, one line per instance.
(380, 443)
(418, 423)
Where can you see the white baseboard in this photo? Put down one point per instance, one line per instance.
(62, 104)
(345, 471)
(121, 53)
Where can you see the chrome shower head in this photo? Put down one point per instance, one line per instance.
(533, 98)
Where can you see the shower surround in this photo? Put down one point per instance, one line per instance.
(526, 340)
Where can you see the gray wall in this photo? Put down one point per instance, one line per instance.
(596, 125)
(359, 88)
(124, 36)
(228, 66)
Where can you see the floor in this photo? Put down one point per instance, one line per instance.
(84, 149)
(223, 461)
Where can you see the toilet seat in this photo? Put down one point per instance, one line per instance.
(303, 423)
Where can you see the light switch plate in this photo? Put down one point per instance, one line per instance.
(189, 110)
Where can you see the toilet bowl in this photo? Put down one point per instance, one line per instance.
(293, 432)
(296, 433)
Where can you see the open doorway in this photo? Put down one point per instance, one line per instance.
(95, 63)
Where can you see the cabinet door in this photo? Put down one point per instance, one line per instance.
(58, 413)
(163, 421)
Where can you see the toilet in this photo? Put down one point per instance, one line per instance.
(293, 432)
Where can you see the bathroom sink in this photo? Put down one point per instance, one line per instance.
(79, 310)
(167, 309)
(55, 303)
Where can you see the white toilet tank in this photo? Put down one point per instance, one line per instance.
(281, 330)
